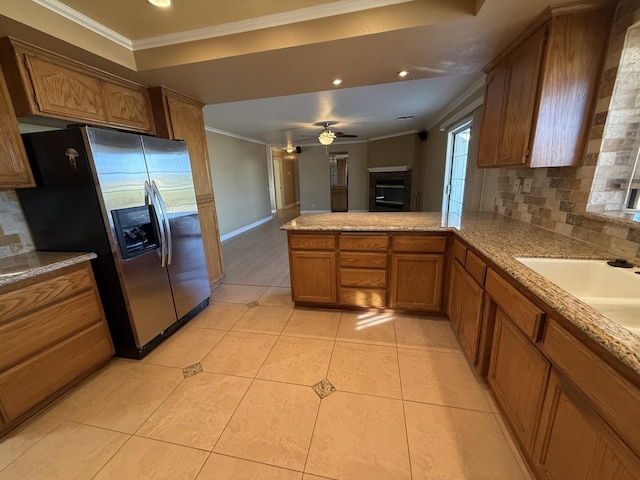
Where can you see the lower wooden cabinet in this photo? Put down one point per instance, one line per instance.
(313, 276)
(518, 376)
(53, 333)
(573, 442)
(416, 281)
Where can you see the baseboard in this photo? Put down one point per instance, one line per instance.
(314, 211)
(232, 234)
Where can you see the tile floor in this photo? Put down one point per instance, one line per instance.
(230, 396)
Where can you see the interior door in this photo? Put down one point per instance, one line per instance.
(338, 163)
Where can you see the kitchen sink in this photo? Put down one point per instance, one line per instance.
(614, 292)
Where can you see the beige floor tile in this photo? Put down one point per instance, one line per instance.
(221, 316)
(297, 360)
(320, 324)
(371, 369)
(70, 451)
(307, 476)
(524, 467)
(448, 443)
(425, 333)
(185, 347)
(26, 437)
(230, 293)
(121, 396)
(143, 458)
(272, 425)
(221, 467)
(239, 353)
(277, 297)
(367, 327)
(359, 436)
(196, 413)
(264, 319)
(440, 378)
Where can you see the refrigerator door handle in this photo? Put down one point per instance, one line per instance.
(149, 197)
(166, 221)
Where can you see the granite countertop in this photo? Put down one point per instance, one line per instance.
(500, 239)
(27, 265)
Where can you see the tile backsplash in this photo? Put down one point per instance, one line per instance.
(15, 237)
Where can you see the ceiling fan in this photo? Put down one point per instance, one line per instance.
(326, 135)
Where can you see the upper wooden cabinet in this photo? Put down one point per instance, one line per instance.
(15, 171)
(180, 117)
(49, 85)
(541, 91)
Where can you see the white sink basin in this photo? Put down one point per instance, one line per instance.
(614, 292)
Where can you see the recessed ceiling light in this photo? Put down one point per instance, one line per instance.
(403, 73)
(337, 81)
(160, 3)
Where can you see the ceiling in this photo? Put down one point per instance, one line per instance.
(264, 67)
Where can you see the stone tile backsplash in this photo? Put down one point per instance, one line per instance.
(15, 237)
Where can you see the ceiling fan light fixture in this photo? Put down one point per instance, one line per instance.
(289, 149)
(326, 137)
(160, 3)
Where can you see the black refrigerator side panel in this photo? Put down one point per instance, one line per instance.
(64, 214)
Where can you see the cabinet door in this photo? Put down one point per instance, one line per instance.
(211, 240)
(471, 317)
(14, 166)
(573, 442)
(523, 65)
(128, 107)
(313, 276)
(518, 375)
(416, 281)
(65, 92)
(187, 123)
(492, 122)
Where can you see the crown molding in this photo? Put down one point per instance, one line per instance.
(267, 21)
(461, 99)
(384, 137)
(234, 135)
(70, 14)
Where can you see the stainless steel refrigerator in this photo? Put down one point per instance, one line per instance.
(130, 199)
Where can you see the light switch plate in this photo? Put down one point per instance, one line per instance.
(516, 186)
(526, 185)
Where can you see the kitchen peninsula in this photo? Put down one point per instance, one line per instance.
(548, 357)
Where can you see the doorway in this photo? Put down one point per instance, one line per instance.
(285, 180)
(456, 173)
(338, 168)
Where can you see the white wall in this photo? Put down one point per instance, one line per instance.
(240, 181)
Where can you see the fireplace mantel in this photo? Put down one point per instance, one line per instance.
(398, 168)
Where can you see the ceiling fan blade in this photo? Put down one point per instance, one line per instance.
(345, 135)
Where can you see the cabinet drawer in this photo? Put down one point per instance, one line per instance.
(615, 398)
(37, 331)
(361, 277)
(312, 242)
(419, 243)
(38, 295)
(363, 297)
(459, 251)
(476, 267)
(363, 260)
(518, 308)
(28, 383)
(368, 243)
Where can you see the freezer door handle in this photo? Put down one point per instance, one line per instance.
(166, 221)
(149, 198)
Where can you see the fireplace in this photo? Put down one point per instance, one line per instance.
(390, 189)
